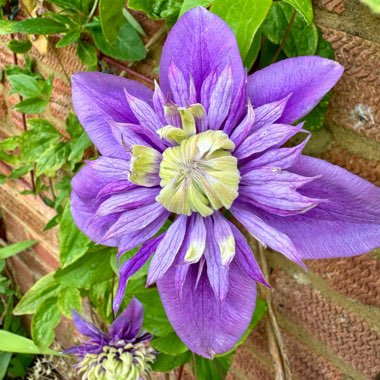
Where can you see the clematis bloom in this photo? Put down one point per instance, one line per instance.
(123, 353)
(207, 143)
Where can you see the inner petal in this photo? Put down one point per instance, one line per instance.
(200, 175)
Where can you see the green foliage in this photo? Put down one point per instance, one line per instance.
(217, 369)
(165, 363)
(373, 4)
(244, 17)
(20, 47)
(10, 342)
(169, 344)
(189, 4)
(15, 248)
(302, 38)
(304, 7)
(111, 18)
(73, 243)
(44, 321)
(158, 9)
(32, 26)
(87, 53)
(68, 300)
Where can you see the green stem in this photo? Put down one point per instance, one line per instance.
(285, 37)
(93, 10)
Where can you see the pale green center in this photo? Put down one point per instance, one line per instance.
(199, 175)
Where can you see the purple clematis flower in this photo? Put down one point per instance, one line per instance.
(122, 353)
(207, 140)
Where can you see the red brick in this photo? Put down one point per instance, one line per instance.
(22, 274)
(355, 104)
(345, 334)
(335, 6)
(355, 277)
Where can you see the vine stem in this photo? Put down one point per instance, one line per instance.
(276, 342)
(180, 372)
(285, 37)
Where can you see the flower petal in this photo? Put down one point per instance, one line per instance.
(347, 225)
(167, 250)
(99, 100)
(199, 43)
(264, 232)
(131, 266)
(308, 79)
(268, 136)
(205, 325)
(127, 325)
(88, 329)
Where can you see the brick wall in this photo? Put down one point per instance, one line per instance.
(329, 317)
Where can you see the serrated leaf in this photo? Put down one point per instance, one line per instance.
(90, 269)
(15, 248)
(169, 344)
(127, 46)
(10, 342)
(217, 369)
(87, 53)
(32, 105)
(165, 363)
(44, 288)
(244, 17)
(73, 243)
(44, 322)
(302, 38)
(190, 4)
(68, 300)
(68, 39)
(52, 159)
(77, 148)
(111, 18)
(25, 85)
(20, 47)
(303, 7)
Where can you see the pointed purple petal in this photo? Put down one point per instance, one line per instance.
(264, 232)
(131, 266)
(205, 325)
(217, 272)
(199, 43)
(268, 136)
(129, 322)
(347, 225)
(99, 99)
(245, 258)
(178, 85)
(88, 329)
(167, 249)
(243, 130)
(158, 103)
(308, 79)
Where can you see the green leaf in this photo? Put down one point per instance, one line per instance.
(169, 344)
(44, 288)
(67, 4)
(128, 16)
(190, 4)
(324, 48)
(52, 159)
(44, 322)
(25, 85)
(87, 53)
(314, 121)
(158, 9)
(5, 358)
(217, 369)
(32, 105)
(90, 269)
(304, 7)
(253, 51)
(165, 363)
(373, 4)
(111, 18)
(302, 38)
(16, 248)
(244, 17)
(10, 342)
(73, 243)
(68, 39)
(68, 300)
(127, 46)
(19, 172)
(32, 26)
(20, 47)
